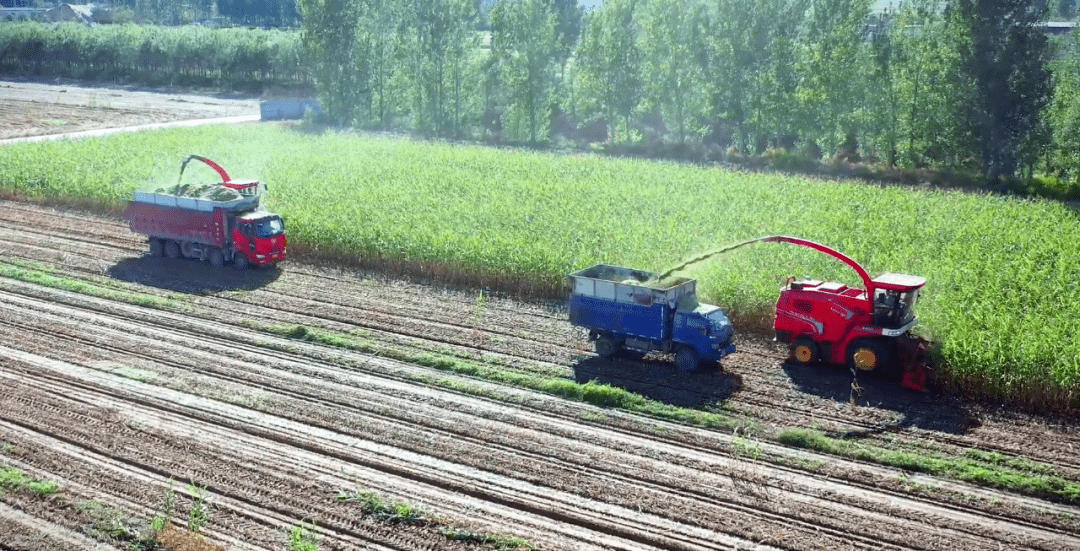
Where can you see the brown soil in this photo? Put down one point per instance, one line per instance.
(37, 108)
(112, 400)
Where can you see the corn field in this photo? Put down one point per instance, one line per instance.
(189, 55)
(999, 304)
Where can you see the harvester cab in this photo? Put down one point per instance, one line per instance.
(895, 296)
(868, 329)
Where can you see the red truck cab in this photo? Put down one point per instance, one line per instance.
(260, 236)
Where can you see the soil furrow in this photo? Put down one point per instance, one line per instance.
(689, 476)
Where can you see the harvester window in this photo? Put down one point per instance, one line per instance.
(892, 308)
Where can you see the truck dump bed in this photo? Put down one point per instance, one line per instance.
(180, 224)
(198, 218)
(626, 285)
(626, 301)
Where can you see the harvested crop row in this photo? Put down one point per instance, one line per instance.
(143, 346)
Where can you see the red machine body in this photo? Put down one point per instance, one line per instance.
(236, 231)
(868, 329)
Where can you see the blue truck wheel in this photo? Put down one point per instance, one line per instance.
(605, 347)
(686, 358)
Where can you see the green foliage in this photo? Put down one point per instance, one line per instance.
(831, 93)
(385, 510)
(608, 65)
(1064, 113)
(168, 507)
(748, 52)
(303, 537)
(35, 274)
(189, 55)
(14, 480)
(1004, 53)
(106, 520)
(199, 514)
(672, 68)
(497, 542)
(988, 469)
(524, 44)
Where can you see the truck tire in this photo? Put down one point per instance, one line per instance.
(805, 351)
(868, 355)
(605, 347)
(686, 359)
(240, 262)
(217, 260)
(156, 248)
(172, 249)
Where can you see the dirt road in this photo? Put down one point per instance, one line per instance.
(120, 372)
(29, 108)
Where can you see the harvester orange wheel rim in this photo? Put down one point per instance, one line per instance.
(803, 353)
(865, 359)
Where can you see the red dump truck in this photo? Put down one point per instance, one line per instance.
(219, 223)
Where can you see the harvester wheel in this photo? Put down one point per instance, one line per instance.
(868, 355)
(172, 249)
(240, 261)
(156, 248)
(217, 260)
(804, 351)
(686, 358)
(605, 347)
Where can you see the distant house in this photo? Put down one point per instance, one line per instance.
(82, 13)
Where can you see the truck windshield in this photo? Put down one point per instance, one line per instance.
(269, 227)
(721, 325)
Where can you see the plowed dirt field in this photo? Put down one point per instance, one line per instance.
(119, 373)
(31, 108)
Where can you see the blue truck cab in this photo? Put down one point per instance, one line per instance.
(632, 309)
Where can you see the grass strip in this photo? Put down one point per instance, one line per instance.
(987, 469)
(591, 392)
(31, 273)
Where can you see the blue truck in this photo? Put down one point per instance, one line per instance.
(628, 309)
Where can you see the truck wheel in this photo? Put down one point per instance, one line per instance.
(217, 260)
(605, 347)
(172, 249)
(868, 355)
(240, 261)
(686, 358)
(804, 351)
(156, 248)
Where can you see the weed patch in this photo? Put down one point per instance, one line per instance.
(303, 538)
(14, 480)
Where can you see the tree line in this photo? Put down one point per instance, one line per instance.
(949, 84)
(958, 84)
(232, 58)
